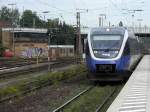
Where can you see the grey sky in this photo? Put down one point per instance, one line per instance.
(66, 10)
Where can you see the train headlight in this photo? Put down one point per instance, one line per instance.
(107, 29)
(95, 52)
(116, 52)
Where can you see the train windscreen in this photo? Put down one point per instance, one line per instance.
(106, 46)
(106, 41)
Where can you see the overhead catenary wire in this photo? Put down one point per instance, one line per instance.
(52, 6)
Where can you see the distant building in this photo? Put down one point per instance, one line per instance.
(5, 24)
(28, 41)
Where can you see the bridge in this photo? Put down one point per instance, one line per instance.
(141, 32)
(145, 31)
(84, 30)
(30, 30)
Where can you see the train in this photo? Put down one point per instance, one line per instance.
(111, 53)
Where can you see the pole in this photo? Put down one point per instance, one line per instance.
(103, 17)
(49, 41)
(78, 40)
(100, 21)
(33, 23)
(109, 24)
(12, 22)
(23, 18)
(133, 21)
(44, 13)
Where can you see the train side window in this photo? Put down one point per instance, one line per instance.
(133, 46)
(127, 49)
(87, 49)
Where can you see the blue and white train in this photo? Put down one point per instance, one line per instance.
(111, 53)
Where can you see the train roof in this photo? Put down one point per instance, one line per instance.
(108, 30)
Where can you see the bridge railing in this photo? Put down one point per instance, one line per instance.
(144, 29)
(140, 29)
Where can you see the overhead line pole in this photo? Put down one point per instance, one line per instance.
(78, 39)
(101, 20)
(79, 50)
(12, 22)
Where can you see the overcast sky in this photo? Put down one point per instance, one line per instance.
(66, 10)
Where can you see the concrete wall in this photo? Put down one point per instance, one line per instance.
(30, 49)
(27, 47)
(60, 51)
(7, 39)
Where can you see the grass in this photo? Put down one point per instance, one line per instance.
(106, 106)
(89, 101)
(49, 78)
(74, 90)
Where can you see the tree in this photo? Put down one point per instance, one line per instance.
(120, 23)
(30, 19)
(64, 35)
(9, 15)
(53, 23)
(5, 14)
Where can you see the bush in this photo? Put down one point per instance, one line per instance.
(53, 78)
(2, 49)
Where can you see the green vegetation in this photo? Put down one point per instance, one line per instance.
(106, 106)
(7, 15)
(50, 78)
(89, 101)
(61, 34)
(2, 49)
(65, 33)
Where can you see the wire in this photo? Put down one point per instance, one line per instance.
(114, 4)
(47, 4)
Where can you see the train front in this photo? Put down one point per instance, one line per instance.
(104, 51)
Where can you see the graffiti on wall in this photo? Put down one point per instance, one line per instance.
(34, 52)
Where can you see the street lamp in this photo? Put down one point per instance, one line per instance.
(45, 12)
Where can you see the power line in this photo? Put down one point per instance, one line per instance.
(47, 4)
(114, 4)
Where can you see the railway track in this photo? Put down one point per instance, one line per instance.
(59, 109)
(30, 86)
(25, 92)
(106, 100)
(4, 64)
(74, 99)
(27, 68)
